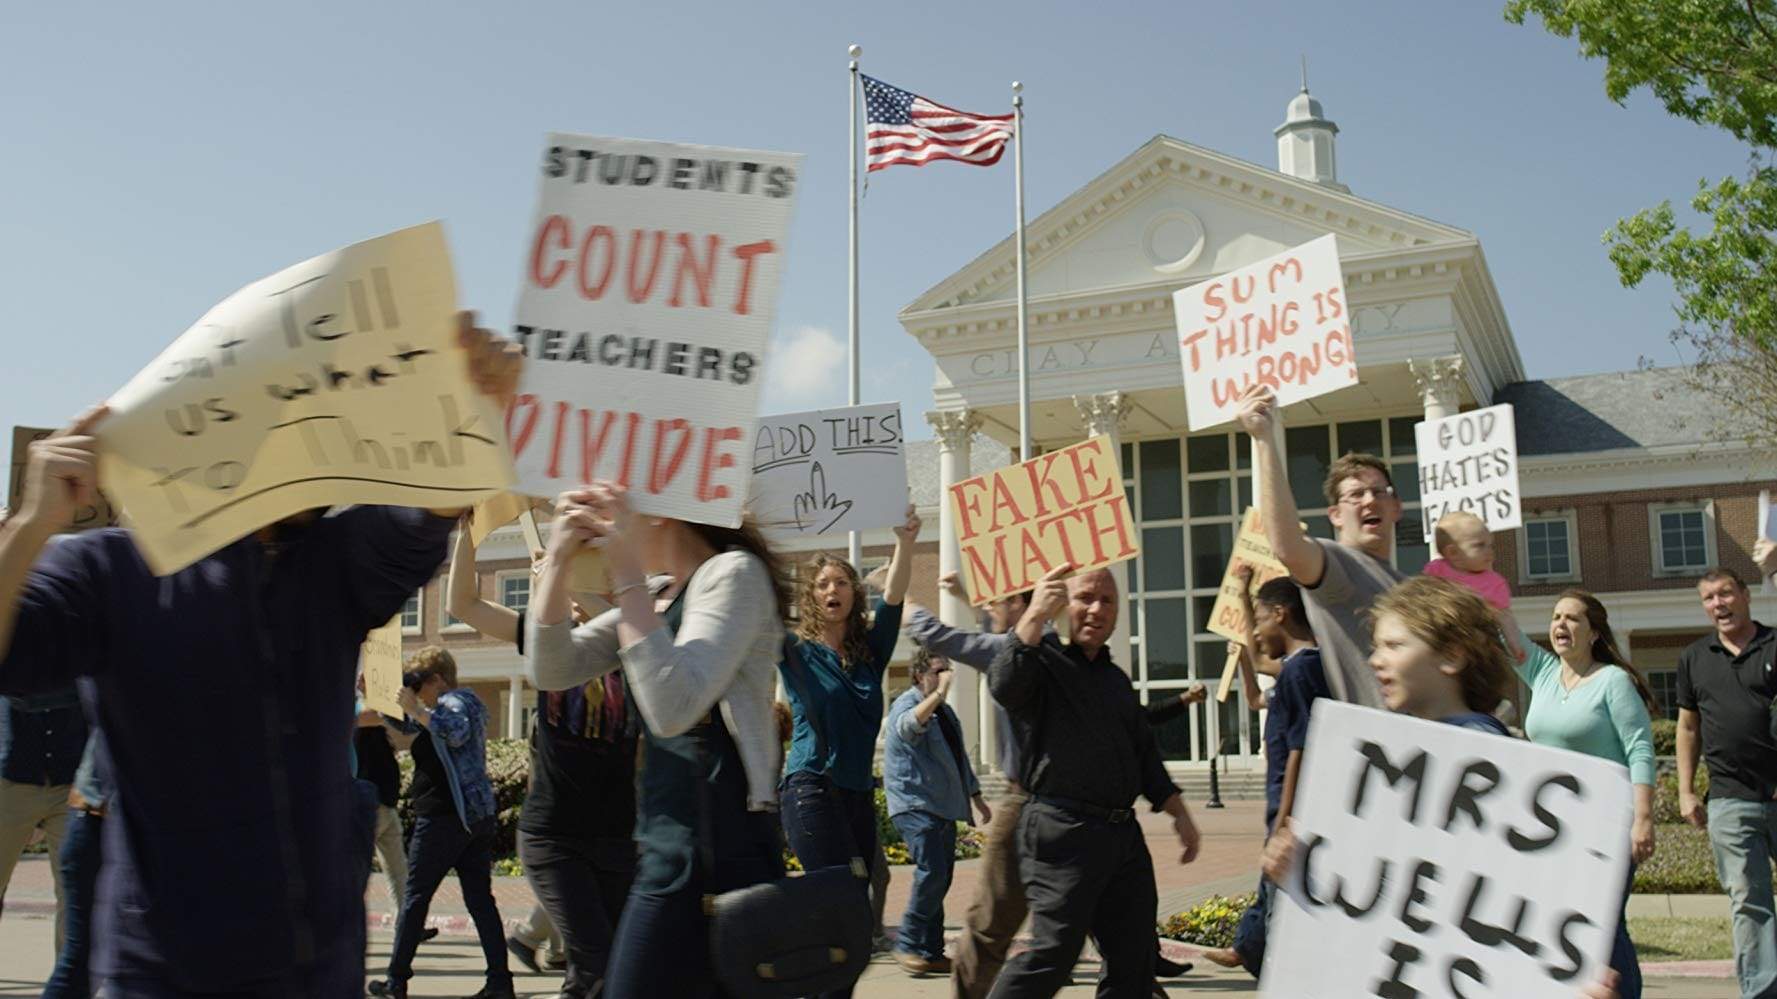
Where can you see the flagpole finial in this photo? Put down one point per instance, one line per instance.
(1304, 72)
(855, 51)
(1017, 88)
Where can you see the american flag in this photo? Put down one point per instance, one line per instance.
(906, 128)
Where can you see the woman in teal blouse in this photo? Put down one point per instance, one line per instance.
(1586, 696)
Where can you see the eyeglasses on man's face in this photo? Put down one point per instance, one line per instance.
(1355, 497)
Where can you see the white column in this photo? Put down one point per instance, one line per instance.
(1440, 385)
(1103, 415)
(514, 707)
(954, 429)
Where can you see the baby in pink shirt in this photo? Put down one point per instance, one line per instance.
(1465, 550)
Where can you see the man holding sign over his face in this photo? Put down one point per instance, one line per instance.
(1086, 752)
(255, 645)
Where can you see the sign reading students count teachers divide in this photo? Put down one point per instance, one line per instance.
(650, 280)
(829, 471)
(1440, 861)
(1281, 322)
(1469, 462)
(335, 381)
(1017, 523)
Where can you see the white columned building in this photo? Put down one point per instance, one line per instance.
(955, 429)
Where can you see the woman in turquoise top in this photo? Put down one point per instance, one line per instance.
(832, 674)
(1586, 696)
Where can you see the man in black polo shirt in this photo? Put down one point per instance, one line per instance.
(1085, 752)
(1725, 689)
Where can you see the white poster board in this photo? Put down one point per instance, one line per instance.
(380, 659)
(829, 471)
(1469, 462)
(334, 381)
(650, 281)
(1282, 321)
(1501, 863)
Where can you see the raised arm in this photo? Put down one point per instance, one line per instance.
(463, 596)
(971, 648)
(1277, 503)
(900, 572)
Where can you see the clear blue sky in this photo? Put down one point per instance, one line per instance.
(159, 156)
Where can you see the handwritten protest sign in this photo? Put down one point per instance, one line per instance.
(99, 514)
(829, 471)
(494, 513)
(1282, 321)
(334, 381)
(380, 659)
(650, 281)
(1469, 462)
(1448, 861)
(1017, 523)
(1228, 617)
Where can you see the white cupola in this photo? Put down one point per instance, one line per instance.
(1305, 141)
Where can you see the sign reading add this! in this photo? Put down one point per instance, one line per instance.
(650, 280)
(336, 381)
(100, 514)
(1440, 861)
(1017, 523)
(1469, 463)
(829, 471)
(1281, 322)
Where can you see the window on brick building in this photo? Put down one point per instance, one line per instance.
(515, 590)
(1548, 549)
(1683, 537)
(1664, 684)
(410, 615)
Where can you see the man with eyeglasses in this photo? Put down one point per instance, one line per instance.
(1341, 578)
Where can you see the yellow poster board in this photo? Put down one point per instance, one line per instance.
(1228, 617)
(494, 513)
(1017, 523)
(380, 658)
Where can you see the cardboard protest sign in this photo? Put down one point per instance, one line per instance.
(1017, 523)
(650, 281)
(1446, 860)
(829, 471)
(99, 514)
(1469, 462)
(334, 381)
(1282, 321)
(590, 573)
(1228, 617)
(380, 659)
(494, 513)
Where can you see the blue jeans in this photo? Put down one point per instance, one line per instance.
(1623, 959)
(828, 826)
(440, 844)
(80, 873)
(932, 842)
(1249, 933)
(1743, 835)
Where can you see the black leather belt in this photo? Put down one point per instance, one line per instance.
(1086, 808)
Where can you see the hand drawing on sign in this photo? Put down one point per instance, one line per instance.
(817, 503)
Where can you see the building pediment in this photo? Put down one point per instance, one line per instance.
(1176, 213)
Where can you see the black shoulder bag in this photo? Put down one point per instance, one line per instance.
(795, 936)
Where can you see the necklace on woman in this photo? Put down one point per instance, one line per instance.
(1568, 686)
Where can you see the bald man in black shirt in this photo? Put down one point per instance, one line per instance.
(1086, 752)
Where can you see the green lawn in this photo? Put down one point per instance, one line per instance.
(1671, 938)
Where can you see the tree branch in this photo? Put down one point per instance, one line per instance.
(1752, 14)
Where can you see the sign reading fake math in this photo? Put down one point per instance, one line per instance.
(1469, 462)
(829, 471)
(335, 381)
(650, 280)
(1441, 861)
(1280, 322)
(1016, 523)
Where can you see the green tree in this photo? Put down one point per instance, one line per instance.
(1713, 62)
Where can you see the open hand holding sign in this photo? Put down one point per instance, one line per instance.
(817, 506)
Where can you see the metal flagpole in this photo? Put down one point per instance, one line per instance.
(855, 547)
(1024, 452)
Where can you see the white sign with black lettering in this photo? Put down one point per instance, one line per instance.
(1435, 860)
(1469, 462)
(829, 471)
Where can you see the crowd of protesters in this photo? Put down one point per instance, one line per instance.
(660, 777)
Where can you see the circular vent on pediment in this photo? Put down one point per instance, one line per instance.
(1173, 241)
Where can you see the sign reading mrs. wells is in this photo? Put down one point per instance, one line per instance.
(1469, 462)
(829, 471)
(336, 381)
(650, 280)
(1440, 861)
(1017, 523)
(1280, 322)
